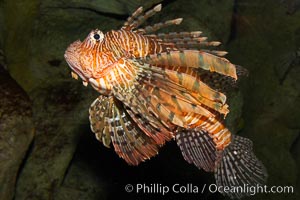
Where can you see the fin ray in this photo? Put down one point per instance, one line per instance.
(198, 148)
(139, 17)
(194, 59)
(116, 126)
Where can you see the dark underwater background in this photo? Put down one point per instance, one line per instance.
(47, 150)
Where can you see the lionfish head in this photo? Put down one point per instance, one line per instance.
(80, 57)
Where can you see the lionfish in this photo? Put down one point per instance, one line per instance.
(158, 87)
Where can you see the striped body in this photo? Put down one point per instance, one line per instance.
(103, 64)
(130, 44)
(158, 87)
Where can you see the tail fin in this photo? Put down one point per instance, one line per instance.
(239, 167)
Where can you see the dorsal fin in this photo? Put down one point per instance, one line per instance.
(138, 17)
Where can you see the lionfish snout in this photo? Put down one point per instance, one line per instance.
(72, 56)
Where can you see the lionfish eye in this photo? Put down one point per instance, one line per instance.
(96, 36)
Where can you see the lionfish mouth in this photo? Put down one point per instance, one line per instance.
(71, 56)
(72, 64)
(75, 76)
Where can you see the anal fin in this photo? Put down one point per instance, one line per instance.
(198, 148)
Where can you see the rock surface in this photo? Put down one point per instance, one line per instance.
(267, 41)
(16, 132)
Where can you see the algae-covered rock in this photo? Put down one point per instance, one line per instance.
(18, 17)
(266, 44)
(1, 26)
(114, 8)
(213, 18)
(83, 182)
(59, 112)
(16, 132)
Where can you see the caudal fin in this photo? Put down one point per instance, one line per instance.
(239, 168)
